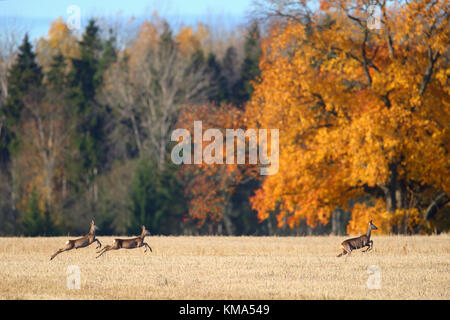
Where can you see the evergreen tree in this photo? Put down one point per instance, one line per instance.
(157, 199)
(24, 78)
(197, 60)
(85, 81)
(243, 89)
(56, 76)
(219, 90)
(36, 221)
(230, 72)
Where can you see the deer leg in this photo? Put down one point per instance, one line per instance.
(102, 251)
(345, 250)
(56, 253)
(69, 246)
(147, 246)
(59, 251)
(107, 248)
(342, 253)
(99, 244)
(370, 246)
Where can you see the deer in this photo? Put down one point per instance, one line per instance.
(359, 242)
(80, 242)
(132, 243)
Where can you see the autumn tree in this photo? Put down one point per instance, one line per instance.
(210, 187)
(46, 131)
(150, 84)
(363, 115)
(59, 41)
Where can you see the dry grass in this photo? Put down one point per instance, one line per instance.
(228, 268)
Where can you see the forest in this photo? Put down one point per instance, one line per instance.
(363, 115)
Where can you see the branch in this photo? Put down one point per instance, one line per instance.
(435, 205)
(365, 61)
(427, 76)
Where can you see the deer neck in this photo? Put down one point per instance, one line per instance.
(369, 231)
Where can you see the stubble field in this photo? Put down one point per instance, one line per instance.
(415, 267)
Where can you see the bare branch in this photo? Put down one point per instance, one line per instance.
(435, 205)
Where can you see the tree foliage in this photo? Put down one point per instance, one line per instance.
(361, 113)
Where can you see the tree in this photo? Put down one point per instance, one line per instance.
(243, 88)
(9, 41)
(24, 77)
(157, 82)
(59, 41)
(24, 80)
(85, 81)
(230, 71)
(156, 199)
(210, 187)
(218, 82)
(362, 114)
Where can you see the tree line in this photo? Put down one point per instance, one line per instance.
(86, 122)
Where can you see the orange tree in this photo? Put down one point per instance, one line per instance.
(209, 187)
(363, 115)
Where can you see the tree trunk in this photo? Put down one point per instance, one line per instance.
(229, 227)
(396, 199)
(136, 133)
(336, 222)
(94, 186)
(64, 186)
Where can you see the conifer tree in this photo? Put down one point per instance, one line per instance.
(24, 78)
(243, 89)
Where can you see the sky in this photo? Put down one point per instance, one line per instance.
(35, 16)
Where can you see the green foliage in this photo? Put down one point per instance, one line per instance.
(156, 199)
(24, 78)
(243, 88)
(85, 81)
(56, 76)
(219, 82)
(37, 221)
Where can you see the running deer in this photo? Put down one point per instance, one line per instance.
(358, 243)
(128, 243)
(80, 242)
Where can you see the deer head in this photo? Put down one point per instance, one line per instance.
(145, 232)
(93, 227)
(372, 226)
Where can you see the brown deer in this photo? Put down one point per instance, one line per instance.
(359, 242)
(80, 242)
(128, 243)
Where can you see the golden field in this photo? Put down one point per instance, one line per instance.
(411, 267)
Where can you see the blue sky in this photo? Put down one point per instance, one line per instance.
(35, 15)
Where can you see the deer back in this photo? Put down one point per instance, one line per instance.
(356, 243)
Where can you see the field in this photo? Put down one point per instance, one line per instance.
(416, 267)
